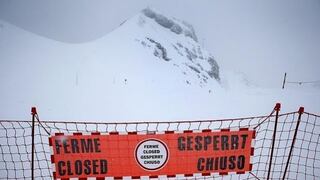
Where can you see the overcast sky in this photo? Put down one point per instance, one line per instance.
(263, 39)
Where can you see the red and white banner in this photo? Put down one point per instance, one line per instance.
(168, 154)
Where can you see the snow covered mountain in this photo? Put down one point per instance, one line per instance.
(149, 68)
(148, 61)
(175, 42)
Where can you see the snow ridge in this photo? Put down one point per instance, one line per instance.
(173, 40)
(171, 24)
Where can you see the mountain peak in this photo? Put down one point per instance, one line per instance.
(175, 44)
(173, 24)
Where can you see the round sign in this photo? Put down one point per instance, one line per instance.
(151, 154)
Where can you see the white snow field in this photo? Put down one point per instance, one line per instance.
(150, 68)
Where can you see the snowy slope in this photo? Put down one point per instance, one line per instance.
(149, 68)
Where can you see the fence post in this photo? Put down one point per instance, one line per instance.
(33, 112)
(301, 111)
(277, 109)
(284, 80)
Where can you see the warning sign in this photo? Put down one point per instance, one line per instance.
(152, 154)
(136, 155)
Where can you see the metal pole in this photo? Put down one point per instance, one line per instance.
(277, 109)
(284, 80)
(301, 110)
(33, 112)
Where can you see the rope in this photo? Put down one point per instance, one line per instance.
(38, 119)
(303, 82)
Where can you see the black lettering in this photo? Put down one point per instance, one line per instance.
(103, 166)
(224, 142)
(209, 164)
(150, 146)
(181, 145)
(69, 170)
(78, 167)
(216, 163)
(200, 165)
(241, 162)
(86, 145)
(87, 169)
(95, 166)
(189, 143)
(215, 142)
(65, 146)
(198, 145)
(232, 164)
(223, 163)
(207, 140)
(97, 144)
(244, 138)
(234, 141)
(57, 146)
(61, 170)
(74, 146)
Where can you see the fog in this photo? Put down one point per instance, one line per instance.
(262, 39)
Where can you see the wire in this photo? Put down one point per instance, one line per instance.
(303, 82)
